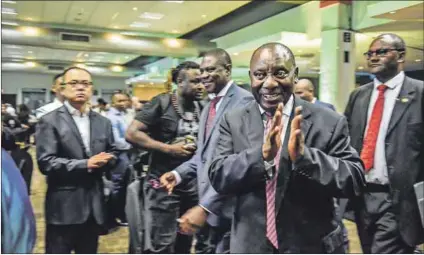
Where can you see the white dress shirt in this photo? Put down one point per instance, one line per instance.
(48, 108)
(378, 174)
(83, 124)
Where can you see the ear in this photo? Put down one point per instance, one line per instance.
(296, 75)
(401, 57)
(228, 68)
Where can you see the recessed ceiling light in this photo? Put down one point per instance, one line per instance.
(115, 38)
(30, 31)
(13, 47)
(30, 64)
(9, 2)
(417, 60)
(204, 16)
(175, 31)
(299, 51)
(135, 8)
(117, 68)
(360, 67)
(127, 57)
(177, 2)
(86, 55)
(116, 27)
(151, 15)
(29, 18)
(173, 43)
(235, 53)
(129, 33)
(140, 24)
(9, 23)
(11, 11)
(393, 12)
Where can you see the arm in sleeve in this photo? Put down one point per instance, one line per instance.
(120, 141)
(47, 151)
(340, 170)
(230, 172)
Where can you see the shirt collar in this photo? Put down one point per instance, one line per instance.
(56, 101)
(223, 91)
(392, 83)
(287, 109)
(75, 112)
(314, 100)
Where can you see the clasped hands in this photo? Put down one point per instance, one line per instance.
(296, 143)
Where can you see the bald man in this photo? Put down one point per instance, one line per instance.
(386, 120)
(306, 90)
(284, 160)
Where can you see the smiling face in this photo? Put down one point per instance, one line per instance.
(272, 75)
(214, 74)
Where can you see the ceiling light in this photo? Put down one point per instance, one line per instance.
(13, 47)
(129, 33)
(177, 2)
(393, 12)
(116, 27)
(175, 31)
(11, 11)
(86, 55)
(9, 2)
(417, 60)
(30, 52)
(360, 67)
(126, 57)
(30, 64)
(117, 68)
(235, 53)
(115, 38)
(30, 31)
(29, 18)
(299, 51)
(135, 8)
(173, 43)
(9, 23)
(80, 66)
(140, 25)
(151, 15)
(204, 16)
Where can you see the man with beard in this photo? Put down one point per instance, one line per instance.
(75, 146)
(285, 160)
(168, 127)
(215, 74)
(386, 123)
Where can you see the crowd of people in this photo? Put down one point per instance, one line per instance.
(223, 169)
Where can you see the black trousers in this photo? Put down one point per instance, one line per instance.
(211, 239)
(377, 225)
(80, 238)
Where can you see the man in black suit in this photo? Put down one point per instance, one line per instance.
(305, 90)
(74, 148)
(386, 126)
(285, 178)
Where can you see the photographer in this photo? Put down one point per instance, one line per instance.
(167, 126)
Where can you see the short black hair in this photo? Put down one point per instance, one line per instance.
(183, 66)
(57, 76)
(101, 101)
(72, 68)
(220, 54)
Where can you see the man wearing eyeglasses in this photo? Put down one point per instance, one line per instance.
(74, 149)
(386, 126)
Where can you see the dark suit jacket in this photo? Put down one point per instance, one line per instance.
(330, 167)
(404, 149)
(72, 193)
(330, 106)
(197, 166)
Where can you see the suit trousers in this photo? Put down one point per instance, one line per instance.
(211, 239)
(377, 225)
(80, 238)
(161, 214)
(120, 176)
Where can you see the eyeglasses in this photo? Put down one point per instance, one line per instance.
(380, 52)
(85, 84)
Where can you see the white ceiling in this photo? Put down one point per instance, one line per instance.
(120, 15)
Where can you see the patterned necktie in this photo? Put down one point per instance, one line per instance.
(368, 150)
(212, 114)
(271, 229)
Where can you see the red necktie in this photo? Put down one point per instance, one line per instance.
(271, 228)
(212, 114)
(370, 141)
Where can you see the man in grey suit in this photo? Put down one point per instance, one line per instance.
(285, 178)
(75, 147)
(216, 76)
(386, 123)
(306, 90)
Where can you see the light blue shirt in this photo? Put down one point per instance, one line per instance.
(119, 127)
(378, 174)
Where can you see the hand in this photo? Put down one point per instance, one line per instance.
(273, 138)
(25, 126)
(181, 150)
(169, 181)
(99, 160)
(297, 138)
(193, 220)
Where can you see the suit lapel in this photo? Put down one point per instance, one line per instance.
(222, 108)
(71, 124)
(93, 128)
(364, 100)
(406, 96)
(202, 124)
(253, 123)
(285, 167)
